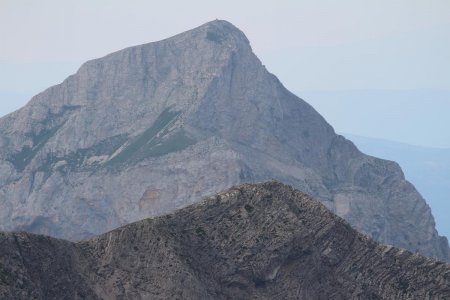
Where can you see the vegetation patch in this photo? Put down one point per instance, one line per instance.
(21, 159)
(155, 141)
(176, 142)
(76, 161)
(214, 37)
(200, 231)
(147, 138)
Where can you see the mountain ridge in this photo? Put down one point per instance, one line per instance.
(253, 241)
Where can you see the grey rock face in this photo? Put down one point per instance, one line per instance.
(260, 241)
(152, 128)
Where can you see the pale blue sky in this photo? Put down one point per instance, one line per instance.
(416, 116)
(357, 62)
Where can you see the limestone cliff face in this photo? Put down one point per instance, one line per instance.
(259, 241)
(152, 128)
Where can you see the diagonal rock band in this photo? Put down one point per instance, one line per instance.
(253, 241)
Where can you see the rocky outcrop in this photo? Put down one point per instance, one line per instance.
(155, 127)
(255, 241)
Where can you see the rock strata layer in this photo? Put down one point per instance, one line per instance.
(153, 128)
(254, 241)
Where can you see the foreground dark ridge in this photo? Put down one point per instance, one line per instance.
(153, 128)
(254, 241)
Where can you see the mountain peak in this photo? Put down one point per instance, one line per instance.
(219, 30)
(155, 127)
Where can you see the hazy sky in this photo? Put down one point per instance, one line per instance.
(374, 68)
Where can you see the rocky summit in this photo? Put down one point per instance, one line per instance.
(254, 241)
(152, 128)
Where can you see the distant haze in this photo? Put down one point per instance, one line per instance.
(378, 69)
(417, 117)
